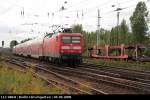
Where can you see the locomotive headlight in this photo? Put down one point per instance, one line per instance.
(65, 47)
(76, 47)
(71, 47)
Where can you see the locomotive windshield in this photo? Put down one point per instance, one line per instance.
(75, 39)
(67, 39)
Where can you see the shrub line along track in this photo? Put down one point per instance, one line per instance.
(73, 84)
(139, 86)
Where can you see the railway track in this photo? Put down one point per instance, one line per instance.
(96, 77)
(107, 66)
(61, 80)
(136, 75)
(103, 78)
(95, 74)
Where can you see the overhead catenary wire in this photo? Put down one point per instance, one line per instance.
(95, 7)
(108, 12)
(84, 12)
(99, 6)
(8, 9)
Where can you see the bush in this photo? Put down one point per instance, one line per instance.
(15, 82)
(147, 52)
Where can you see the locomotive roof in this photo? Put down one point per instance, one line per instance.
(70, 33)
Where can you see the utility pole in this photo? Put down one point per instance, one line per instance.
(117, 34)
(98, 28)
(118, 27)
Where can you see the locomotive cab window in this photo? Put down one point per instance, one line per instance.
(75, 39)
(66, 39)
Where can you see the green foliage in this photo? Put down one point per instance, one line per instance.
(104, 37)
(13, 43)
(15, 82)
(147, 40)
(77, 28)
(139, 23)
(124, 31)
(107, 37)
(113, 36)
(120, 34)
(147, 52)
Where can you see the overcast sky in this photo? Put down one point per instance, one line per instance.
(35, 21)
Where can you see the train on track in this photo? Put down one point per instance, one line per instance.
(60, 47)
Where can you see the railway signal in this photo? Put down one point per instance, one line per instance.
(22, 12)
(2, 43)
(48, 14)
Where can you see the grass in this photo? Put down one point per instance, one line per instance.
(16, 82)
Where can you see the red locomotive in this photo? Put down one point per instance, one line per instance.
(56, 47)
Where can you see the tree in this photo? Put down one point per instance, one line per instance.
(138, 22)
(77, 28)
(104, 37)
(13, 43)
(113, 36)
(124, 30)
(147, 51)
